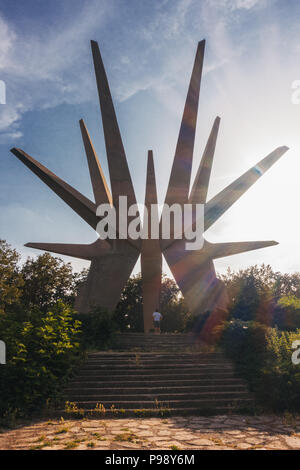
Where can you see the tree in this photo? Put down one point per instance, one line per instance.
(46, 280)
(78, 279)
(251, 293)
(11, 281)
(286, 285)
(287, 313)
(170, 292)
(129, 311)
(258, 293)
(176, 317)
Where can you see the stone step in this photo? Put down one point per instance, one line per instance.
(153, 336)
(156, 375)
(164, 376)
(162, 383)
(163, 343)
(152, 365)
(167, 395)
(168, 404)
(111, 352)
(156, 349)
(142, 342)
(81, 389)
(144, 370)
(133, 344)
(179, 366)
(150, 355)
(162, 397)
(153, 339)
(152, 342)
(156, 361)
(245, 406)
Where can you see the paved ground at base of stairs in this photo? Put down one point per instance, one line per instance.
(209, 433)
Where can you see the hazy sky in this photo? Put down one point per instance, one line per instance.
(148, 47)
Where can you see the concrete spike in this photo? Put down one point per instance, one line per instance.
(222, 201)
(98, 248)
(179, 183)
(151, 257)
(200, 187)
(101, 191)
(199, 190)
(121, 183)
(220, 250)
(79, 203)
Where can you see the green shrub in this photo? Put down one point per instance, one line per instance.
(280, 377)
(97, 327)
(263, 357)
(287, 313)
(175, 316)
(42, 349)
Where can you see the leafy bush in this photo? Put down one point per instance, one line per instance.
(42, 349)
(129, 311)
(47, 279)
(44, 337)
(11, 281)
(259, 294)
(175, 316)
(287, 313)
(263, 357)
(209, 326)
(97, 327)
(280, 377)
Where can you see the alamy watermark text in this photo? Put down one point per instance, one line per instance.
(177, 222)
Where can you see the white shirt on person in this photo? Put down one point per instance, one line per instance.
(157, 316)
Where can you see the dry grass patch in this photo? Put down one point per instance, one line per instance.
(63, 430)
(128, 437)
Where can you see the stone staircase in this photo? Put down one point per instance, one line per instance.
(158, 375)
(154, 342)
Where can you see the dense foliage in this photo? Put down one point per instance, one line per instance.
(263, 356)
(97, 328)
(263, 323)
(47, 280)
(259, 294)
(10, 278)
(37, 323)
(42, 349)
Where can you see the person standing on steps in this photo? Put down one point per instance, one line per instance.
(157, 318)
